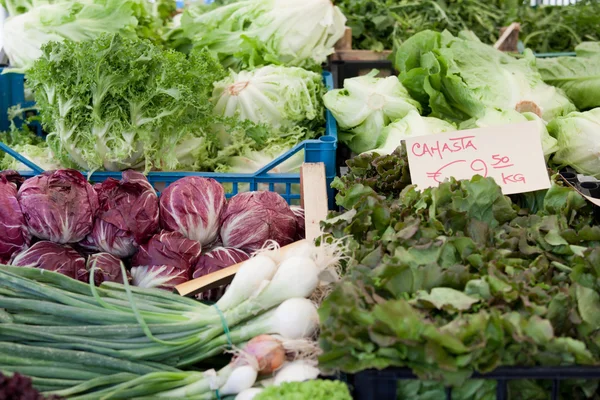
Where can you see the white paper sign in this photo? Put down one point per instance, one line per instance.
(511, 154)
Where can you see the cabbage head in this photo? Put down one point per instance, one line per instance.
(578, 136)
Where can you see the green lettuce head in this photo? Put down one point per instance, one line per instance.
(458, 78)
(578, 136)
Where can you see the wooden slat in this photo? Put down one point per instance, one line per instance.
(314, 197)
(509, 37)
(345, 43)
(360, 55)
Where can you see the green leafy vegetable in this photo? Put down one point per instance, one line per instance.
(376, 23)
(314, 390)
(588, 49)
(410, 126)
(578, 146)
(280, 97)
(458, 278)
(115, 103)
(365, 106)
(259, 32)
(386, 175)
(549, 29)
(457, 78)
(55, 21)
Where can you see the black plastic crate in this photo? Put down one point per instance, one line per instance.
(382, 385)
(343, 69)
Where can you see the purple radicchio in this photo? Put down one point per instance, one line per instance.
(52, 257)
(165, 261)
(107, 268)
(300, 222)
(14, 235)
(128, 214)
(59, 206)
(193, 206)
(252, 218)
(215, 260)
(158, 276)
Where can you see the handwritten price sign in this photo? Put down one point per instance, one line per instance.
(511, 154)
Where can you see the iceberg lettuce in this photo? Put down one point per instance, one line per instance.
(365, 106)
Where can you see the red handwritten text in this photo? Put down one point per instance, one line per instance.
(480, 167)
(453, 145)
(437, 174)
(501, 161)
(513, 178)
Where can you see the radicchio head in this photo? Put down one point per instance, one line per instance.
(193, 206)
(165, 261)
(52, 257)
(128, 214)
(58, 205)
(252, 218)
(107, 268)
(14, 235)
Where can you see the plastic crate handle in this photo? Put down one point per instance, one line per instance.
(20, 158)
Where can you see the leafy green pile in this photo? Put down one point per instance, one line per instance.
(247, 34)
(458, 278)
(548, 29)
(387, 175)
(376, 24)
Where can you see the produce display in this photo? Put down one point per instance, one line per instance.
(141, 104)
(145, 109)
(449, 83)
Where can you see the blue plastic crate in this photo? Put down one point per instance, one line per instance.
(322, 150)
(12, 93)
